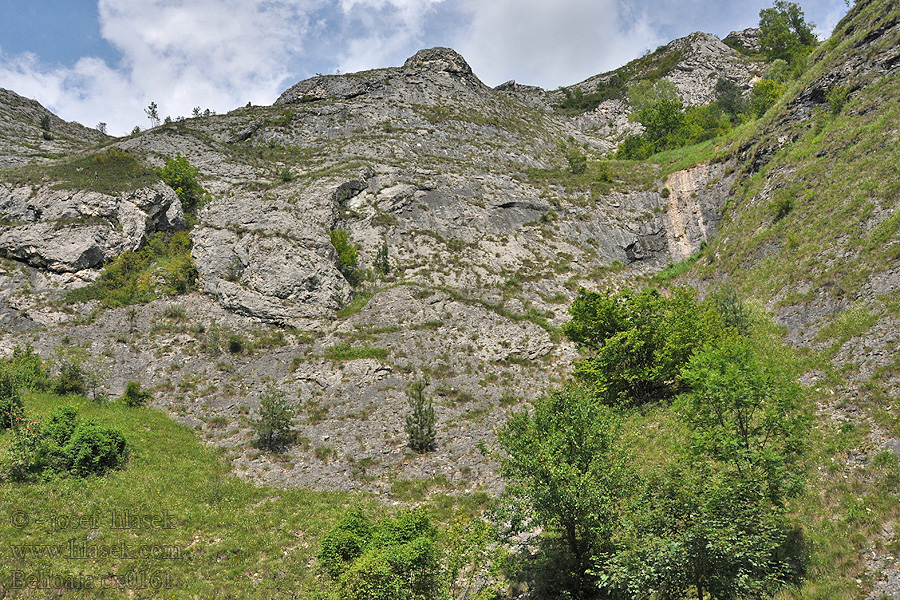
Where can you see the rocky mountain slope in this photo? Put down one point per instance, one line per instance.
(489, 233)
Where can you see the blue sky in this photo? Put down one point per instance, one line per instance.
(96, 61)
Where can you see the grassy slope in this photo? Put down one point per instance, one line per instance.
(233, 540)
(841, 179)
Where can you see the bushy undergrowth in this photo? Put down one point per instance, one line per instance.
(162, 267)
(62, 446)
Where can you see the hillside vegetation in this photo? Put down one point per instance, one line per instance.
(402, 335)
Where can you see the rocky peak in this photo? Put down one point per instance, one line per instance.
(444, 60)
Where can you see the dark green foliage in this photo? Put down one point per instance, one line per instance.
(163, 266)
(71, 379)
(696, 535)
(577, 161)
(837, 98)
(345, 543)
(347, 255)
(135, 396)
(715, 521)
(577, 102)
(382, 263)
(235, 344)
(765, 94)
(746, 415)
(181, 176)
(394, 559)
(12, 411)
(730, 98)
(668, 125)
(565, 473)
(26, 368)
(64, 446)
(734, 312)
(421, 421)
(45, 122)
(784, 32)
(94, 449)
(782, 205)
(637, 343)
(273, 427)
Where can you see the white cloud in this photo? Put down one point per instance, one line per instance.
(551, 43)
(215, 54)
(394, 30)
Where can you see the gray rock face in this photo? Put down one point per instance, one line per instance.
(23, 140)
(271, 257)
(746, 38)
(68, 231)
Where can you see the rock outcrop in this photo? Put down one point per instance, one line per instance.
(72, 230)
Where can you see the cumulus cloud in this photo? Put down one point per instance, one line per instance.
(214, 54)
(552, 43)
(382, 32)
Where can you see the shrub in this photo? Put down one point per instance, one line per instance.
(577, 161)
(420, 422)
(235, 343)
(71, 379)
(26, 368)
(181, 176)
(781, 206)
(394, 559)
(837, 98)
(135, 396)
(94, 449)
(63, 446)
(730, 98)
(12, 412)
(765, 94)
(382, 263)
(637, 343)
(347, 254)
(273, 427)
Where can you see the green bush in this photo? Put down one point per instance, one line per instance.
(181, 176)
(163, 266)
(273, 427)
(347, 255)
(63, 446)
(12, 411)
(71, 379)
(134, 396)
(577, 161)
(765, 94)
(421, 421)
(395, 559)
(637, 343)
(94, 449)
(26, 368)
(382, 262)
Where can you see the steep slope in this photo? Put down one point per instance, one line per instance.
(813, 233)
(24, 138)
(488, 233)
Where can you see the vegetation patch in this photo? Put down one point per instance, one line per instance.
(346, 351)
(109, 172)
(164, 266)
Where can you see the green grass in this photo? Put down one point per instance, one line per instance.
(231, 539)
(346, 351)
(110, 172)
